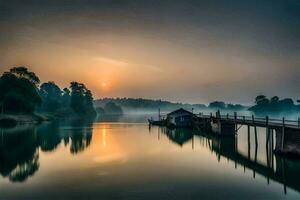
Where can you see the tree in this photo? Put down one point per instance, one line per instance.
(261, 99)
(51, 96)
(66, 97)
(88, 102)
(217, 105)
(22, 72)
(77, 97)
(286, 104)
(264, 105)
(81, 100)
(18, 91)
(274, 99)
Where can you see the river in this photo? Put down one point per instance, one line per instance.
(126, 159)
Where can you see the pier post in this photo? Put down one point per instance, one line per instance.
(253, 119)
(267, 120)
(282, 137)
(298, 122)
(249, 145)
(256, 144)
(158, 114)
(235, 124)
(227, 116)
(244, 119)
(272, 147)
(268, 146)
(255, 134)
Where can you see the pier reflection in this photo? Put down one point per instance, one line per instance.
(274, 167)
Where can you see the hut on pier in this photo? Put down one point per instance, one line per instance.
(180, 118)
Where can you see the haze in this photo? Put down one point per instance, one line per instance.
(187, 51)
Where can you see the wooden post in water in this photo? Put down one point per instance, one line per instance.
(268, 146)
(253, 119)
(158, 114)
(235, 149)
(267, 151)
(235, 123)
(244, 119)
(249, 145)
(256, 145)
(227, 116)
(272, 147)
(255, 134)
(298, 122)
(282, 135)
(267, 120)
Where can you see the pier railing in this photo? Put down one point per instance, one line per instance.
(254, 120)
(267, 121)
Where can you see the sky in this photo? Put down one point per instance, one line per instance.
(190, 51)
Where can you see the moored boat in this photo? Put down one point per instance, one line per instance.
(157, 123)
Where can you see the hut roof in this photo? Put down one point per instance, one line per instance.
(180, 110)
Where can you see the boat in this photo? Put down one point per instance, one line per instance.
(157, 123)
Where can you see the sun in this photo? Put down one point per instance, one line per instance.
(104, 84)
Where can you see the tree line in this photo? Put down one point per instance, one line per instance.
(21, 92)
(273, 105)
(262, 105)
(141, 104)
(150, 104)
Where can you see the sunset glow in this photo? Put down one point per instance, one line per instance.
(142, 52)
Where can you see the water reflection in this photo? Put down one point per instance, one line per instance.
(285, 171)
(19, 146)
(126, 160)
(18, 153)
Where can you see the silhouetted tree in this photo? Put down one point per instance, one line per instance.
(51, 96)
(18, 91)
(66, 97)
(264, 105)
(81, 99)
(261, 99)
(22, 72)
(274, 100)
(217, 105)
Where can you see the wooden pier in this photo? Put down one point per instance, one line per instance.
(287, 132)
(255, 121)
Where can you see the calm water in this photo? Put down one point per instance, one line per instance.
(129, 160)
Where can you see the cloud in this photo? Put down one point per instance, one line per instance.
(110, 61)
